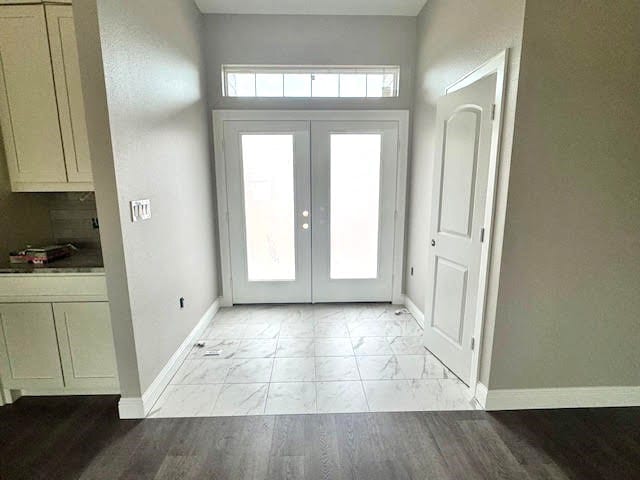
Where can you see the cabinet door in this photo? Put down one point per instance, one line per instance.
(66, 74)
(29, 356)
(28, 109)
(86, 345)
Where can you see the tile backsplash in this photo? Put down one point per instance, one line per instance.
(72, 217)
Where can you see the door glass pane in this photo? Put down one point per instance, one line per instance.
(267, 164)
(355, 205)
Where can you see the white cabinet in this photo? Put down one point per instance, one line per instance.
(41, 106)
(29, 356)
(66, 74)
(86, 345)
(28, 108)
(57, 348)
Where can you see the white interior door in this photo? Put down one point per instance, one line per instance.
(268, 176)
(353, 172)
(464, 123)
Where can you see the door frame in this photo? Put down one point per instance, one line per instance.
(399, 116)
(497, 65)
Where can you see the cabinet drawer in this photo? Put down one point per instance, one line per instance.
(53, 287)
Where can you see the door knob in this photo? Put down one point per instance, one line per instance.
(433, 243)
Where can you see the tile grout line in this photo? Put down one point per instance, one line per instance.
(266, 399)
(316, 381)
(364, 392)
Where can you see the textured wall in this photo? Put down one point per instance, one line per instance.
(451, 45)
(569, 305)
(159, 129)
(314, 40)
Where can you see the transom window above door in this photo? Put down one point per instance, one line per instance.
(310, 81)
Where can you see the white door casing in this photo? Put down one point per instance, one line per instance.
(391, 128)
(461, 170)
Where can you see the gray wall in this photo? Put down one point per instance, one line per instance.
(107, 201)
(153, 144)
(569, 304)
(303, 40)
(451, 45)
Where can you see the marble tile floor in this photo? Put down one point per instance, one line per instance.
(302, 359)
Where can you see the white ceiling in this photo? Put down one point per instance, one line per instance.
(314, 7)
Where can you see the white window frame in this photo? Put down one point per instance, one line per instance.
(311, 70)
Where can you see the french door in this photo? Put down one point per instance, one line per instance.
(311, 209)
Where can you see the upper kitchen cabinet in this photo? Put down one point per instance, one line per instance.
(41, 106)
(66, 75)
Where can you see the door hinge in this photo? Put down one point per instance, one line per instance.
(473, 343)
(482, 235)
(493, 111)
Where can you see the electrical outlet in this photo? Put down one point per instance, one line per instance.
(140, 210)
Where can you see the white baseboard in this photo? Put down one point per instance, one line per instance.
(8, 396)
(60, 392)
(579, 397)
(139, 407)
(131, 408)
(481, 394)
(225, 301)
(415, 311)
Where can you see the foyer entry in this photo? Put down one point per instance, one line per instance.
(311, 205)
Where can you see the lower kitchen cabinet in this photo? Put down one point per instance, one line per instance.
(29, 357)
(61, 348)
(86, 345)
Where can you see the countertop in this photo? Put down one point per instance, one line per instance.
(83, 261)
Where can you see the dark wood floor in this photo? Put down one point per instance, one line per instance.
(81, 437)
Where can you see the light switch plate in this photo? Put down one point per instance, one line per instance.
(140, 210)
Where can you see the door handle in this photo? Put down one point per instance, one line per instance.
(433, 243)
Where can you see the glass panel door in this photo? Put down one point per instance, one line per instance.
(311, 221)
(354, 188)
(269, 198)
